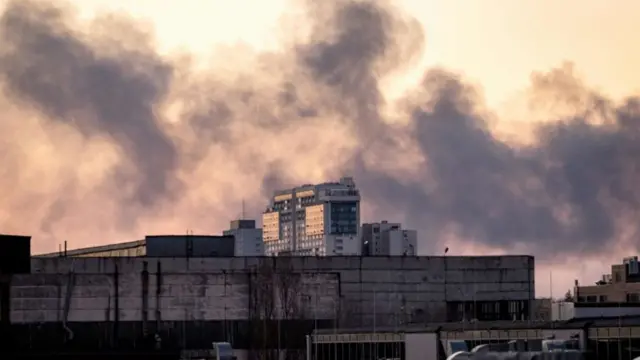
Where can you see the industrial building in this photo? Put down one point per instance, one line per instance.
(120, 302)
(388, 239)
(622, 285)
(158, 246)
(314, 220)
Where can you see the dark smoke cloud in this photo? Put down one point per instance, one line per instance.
(572, 191)
(50, 66)
(192, 144)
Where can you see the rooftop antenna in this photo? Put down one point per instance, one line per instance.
(242, 209)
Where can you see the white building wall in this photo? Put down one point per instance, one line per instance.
(346, 245)
(402, 242)
(562, 310)
(389, 239)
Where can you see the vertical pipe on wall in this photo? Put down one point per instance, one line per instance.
(5, 303)
(145, 297)
(116, 302)
(158, 292)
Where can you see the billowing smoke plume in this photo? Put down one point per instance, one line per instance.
(102, 139)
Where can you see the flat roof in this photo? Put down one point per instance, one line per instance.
(578, 323)
(9, 236)
(124, 245)
(95, 249)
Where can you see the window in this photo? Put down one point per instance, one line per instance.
(592, 299)
(344, 218)
(633, 297)
(602, 298)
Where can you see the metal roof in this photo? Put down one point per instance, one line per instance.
(96, 249)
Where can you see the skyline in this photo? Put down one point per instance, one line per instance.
(114, 132)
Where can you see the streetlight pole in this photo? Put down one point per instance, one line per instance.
(446, 305)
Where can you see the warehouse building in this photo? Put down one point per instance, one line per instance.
(159, 246)
(255, 303)
(190, 302)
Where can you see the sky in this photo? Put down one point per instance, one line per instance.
(502, 62)
(496, 43)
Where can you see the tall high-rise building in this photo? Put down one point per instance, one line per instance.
(388, 239)
(322, 220)
(248, 239)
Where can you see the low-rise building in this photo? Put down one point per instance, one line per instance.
(248, 238)
(622, 285)
(388, 239)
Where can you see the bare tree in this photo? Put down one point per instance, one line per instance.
(290, 299)
(276, 303)
(261, 311)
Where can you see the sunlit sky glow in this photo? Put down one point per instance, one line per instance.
(495, 43)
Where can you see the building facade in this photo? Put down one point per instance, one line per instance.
(388, 239)
(248, 238)
(191, 302)
(314, 220)
(381, 290)
(621, 286)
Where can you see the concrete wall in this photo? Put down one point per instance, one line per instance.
(388, 289)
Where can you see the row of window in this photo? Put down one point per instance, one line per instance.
(488, 310)
(631, 297)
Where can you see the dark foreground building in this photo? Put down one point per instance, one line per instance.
(129, 305)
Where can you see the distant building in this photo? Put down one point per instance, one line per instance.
(547, 309)
(248, 239)
(160, 246)
(388, 239)
(321, 220)
(15, 255)
(621, 286)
